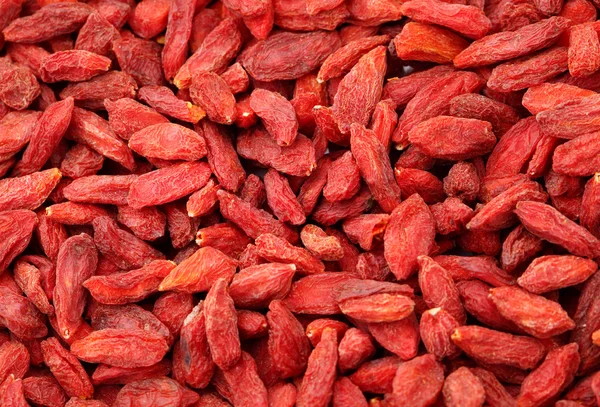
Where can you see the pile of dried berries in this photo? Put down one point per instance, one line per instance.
(311, 203)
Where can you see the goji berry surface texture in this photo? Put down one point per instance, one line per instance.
(299, 203)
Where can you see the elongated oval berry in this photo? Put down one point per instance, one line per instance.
(453, 138)
(276, 249)
(154, 391)
(319, 243)
(418, 382)
(435, 327)
(90, 129)
(277, 115)
(199, 272)
(512, 44)
(222, 157)
(423, 42)
(129, 286)
(168, 141)
(48, 22)
(73, 66)
(210, 91)
(198, 366)
(221, 326)
(317, 387)
(534, 314)
(433, 99)
(66, 369)
(276, 57)
(375, 168)
(257, 286)
(288, 345)
(124, 249)
(342, 60)
(126, 116)
(168, 184)
(498, 213)
(463, 388)
(438, 289)
(45, 136)
(497, 347)
(555, 373)
(121, 347)
(343, 178)
(411, 218)
(554, 272)
(20, 316)
(360, 90)
(77, 261)
(253, 221)
(378, 307)
(547, 223)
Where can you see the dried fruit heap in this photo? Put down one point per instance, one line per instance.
(310, 203)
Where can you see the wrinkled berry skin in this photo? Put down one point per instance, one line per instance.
(310, 203)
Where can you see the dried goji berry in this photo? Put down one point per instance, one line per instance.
(165, 102)
(435, 327)
(44, 389)
(346, 393)
(317, 386)
(90, 129)
(121, 347)
(73, 66)
(218, 48)
(76, 262)
(534, 314)
(463, 388)
(276, 57)
(512, 43)
(584, 50)
(121, 112)
(399, 337)
(297, 159)
(418, 382)
(96, 35)
(376, 376)
(528, 71)
(561, 365)
(155, 391)
(211, 92)
(251, 220)
(519, 351)
(92, 94)
(375, 168)
(66, 369)
(423, 42)
(121, 247)
(518, 247)
(149, 18)
(256, 286)
(168, 184)
(288, 346)
(225, 237)
(360, 90)
(433, 99)
(547, 223)
(276, 249)
(48, 22)
(45, 136)
(221, 326)
(213, 265)
(179, 29)
(439, 290)
(412, 217)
